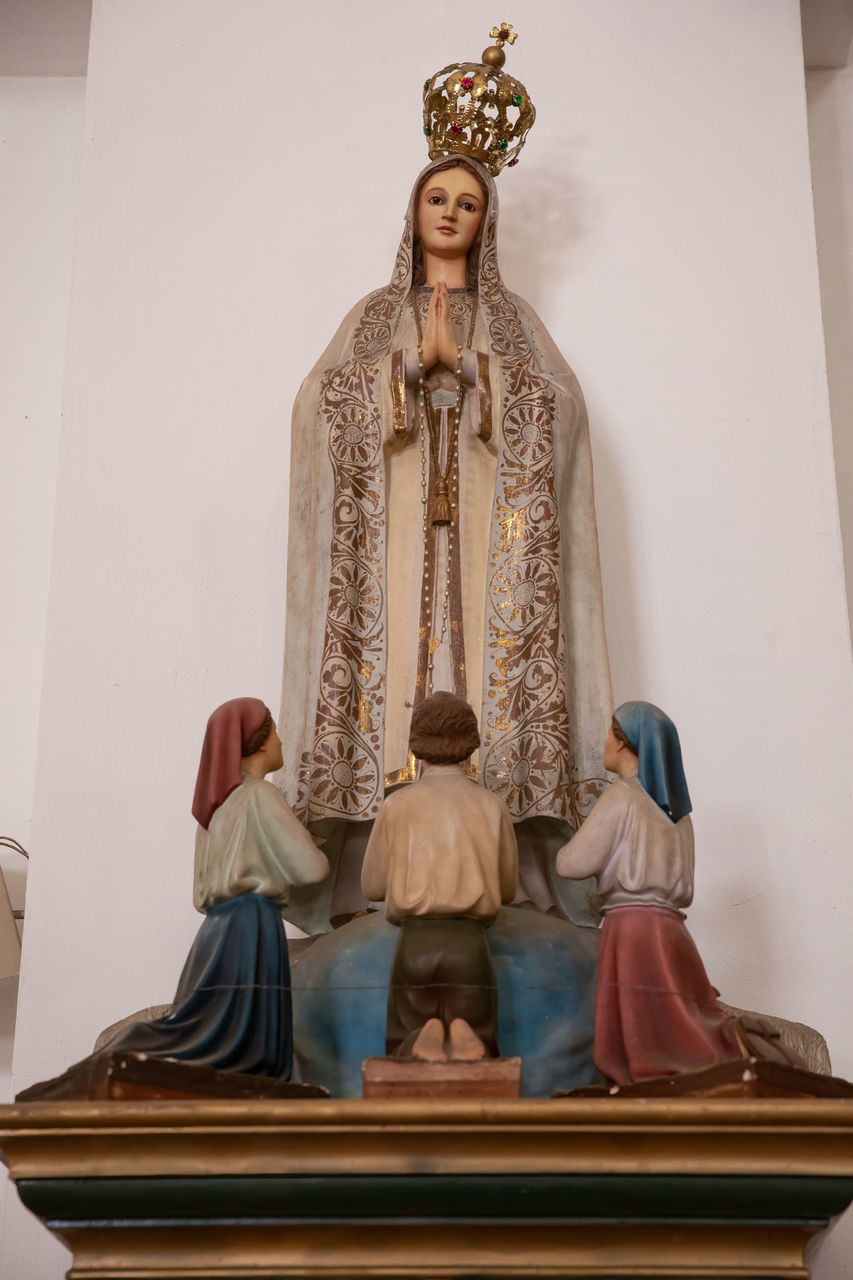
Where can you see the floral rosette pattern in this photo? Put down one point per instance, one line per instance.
(527, 757)
(342, 774)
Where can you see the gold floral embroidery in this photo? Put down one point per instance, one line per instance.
(342, 775)
(527, 758)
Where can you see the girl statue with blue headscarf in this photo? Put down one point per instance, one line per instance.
(656, 1013)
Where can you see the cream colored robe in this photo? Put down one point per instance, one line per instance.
(544, 696)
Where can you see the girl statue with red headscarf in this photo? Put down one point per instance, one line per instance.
(232, 1009)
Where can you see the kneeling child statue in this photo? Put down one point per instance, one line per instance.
(442, 855)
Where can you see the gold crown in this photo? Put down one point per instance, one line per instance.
(476, 109)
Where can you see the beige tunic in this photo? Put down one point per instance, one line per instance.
(255, 844)
(639, 856)
(443, 846)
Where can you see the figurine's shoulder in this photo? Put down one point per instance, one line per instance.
(251, 787)
(470, 794)
(630, 794)
(489, 799)
(618, 806)
(261, 795)
(441, 785)
(261, 787)
(619, 793)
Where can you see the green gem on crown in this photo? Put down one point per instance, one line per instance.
(427, 130)
(502, 144)
(517, 99)
(426, 85)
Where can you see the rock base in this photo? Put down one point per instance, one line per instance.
(135, 1076)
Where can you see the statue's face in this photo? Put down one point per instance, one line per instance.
(612, 752)
(273, 754)
(450, 210)
(618, 756)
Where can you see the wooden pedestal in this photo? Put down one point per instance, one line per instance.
(677, 1188)
(407, 1078)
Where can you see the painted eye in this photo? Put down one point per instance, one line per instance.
(435, 200)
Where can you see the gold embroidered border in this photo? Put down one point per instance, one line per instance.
(408, 773)
(398, 393)
(484, 396)
(343, 772)
(527, 757)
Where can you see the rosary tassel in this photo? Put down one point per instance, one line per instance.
(441, 514)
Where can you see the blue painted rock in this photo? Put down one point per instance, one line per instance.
(546, 1000)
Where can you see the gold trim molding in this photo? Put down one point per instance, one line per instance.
(791, 1137)
(383, 1252)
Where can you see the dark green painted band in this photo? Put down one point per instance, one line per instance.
(417, 1197)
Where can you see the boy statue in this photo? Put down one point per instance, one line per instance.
(442, 855)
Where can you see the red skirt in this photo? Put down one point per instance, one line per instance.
(655, 1010)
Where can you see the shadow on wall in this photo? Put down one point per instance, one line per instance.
(618, 572)
(541, 225)
(8, 1007)
(544, 218)
(740, 918)
(830, 111)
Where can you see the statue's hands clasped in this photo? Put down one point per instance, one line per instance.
(439, 341)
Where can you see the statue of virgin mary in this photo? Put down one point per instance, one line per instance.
(442, 525)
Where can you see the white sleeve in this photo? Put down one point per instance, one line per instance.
(374, 869)
(589, 850)
(283, 838)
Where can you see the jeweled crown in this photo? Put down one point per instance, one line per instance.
(477, 110)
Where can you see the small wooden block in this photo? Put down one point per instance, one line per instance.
(411, 1078)
(138, 1077)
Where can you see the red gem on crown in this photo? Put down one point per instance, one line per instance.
(455, 128)
(467, 82)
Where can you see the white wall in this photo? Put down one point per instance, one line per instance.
(233, 205)
(41, 122)
(41, 125)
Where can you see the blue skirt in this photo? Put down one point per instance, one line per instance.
(232, 1009)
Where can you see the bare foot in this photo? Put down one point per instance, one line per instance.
(465, 1044)
(429, 1046)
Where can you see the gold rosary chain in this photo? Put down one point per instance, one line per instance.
(442, 513)
(431, 432)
